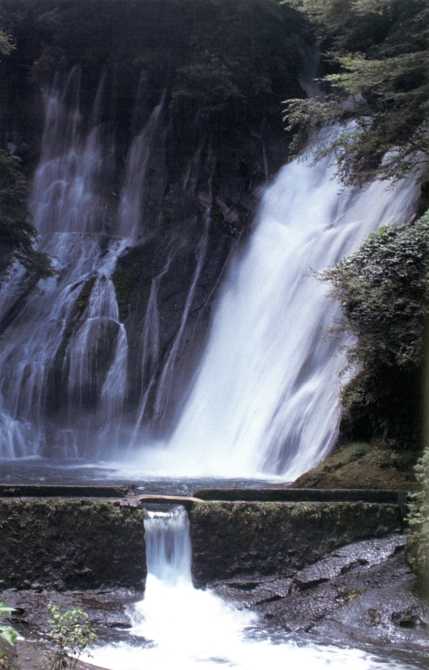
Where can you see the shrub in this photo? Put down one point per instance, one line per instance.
(17, 235)
(418, 520)
(383, 291)
(6, 44)
(70, 634)
(7, 633)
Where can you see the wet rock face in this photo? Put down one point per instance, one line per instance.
(255, 539)
(107, 609)
(70, 544)
(362, 592)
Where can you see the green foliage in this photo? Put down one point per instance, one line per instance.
(70, 633)
(227, 64)
(7, 44)
(418, 521)
(379, 50)
(342, 19)
(16, 233)
(7, 633)
(383, 291)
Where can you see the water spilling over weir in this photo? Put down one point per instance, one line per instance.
(263, 400)
(178, 625)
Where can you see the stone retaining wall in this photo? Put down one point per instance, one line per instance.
(67, 544)
(260, 538)
(77, 544)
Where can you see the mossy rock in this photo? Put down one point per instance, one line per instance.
(361, 465)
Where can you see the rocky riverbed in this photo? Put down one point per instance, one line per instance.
(362, 595)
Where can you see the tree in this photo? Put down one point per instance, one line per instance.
(7, 44)
(378, 55)
(17, 235)
(7, 633)
(71, 633)
(418, 521)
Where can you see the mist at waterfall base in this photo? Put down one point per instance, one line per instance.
(179, 626)
(264, 401)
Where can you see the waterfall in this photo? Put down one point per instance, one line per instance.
(265, 399)
(168, 547)
(131, 207)
(150, 354)
(170, 597)
(63, 357)
(177, 625)
(166, 379)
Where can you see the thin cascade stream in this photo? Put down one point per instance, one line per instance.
(177, 625)
(64, 357)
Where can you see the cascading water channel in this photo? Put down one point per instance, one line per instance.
(132, 201)
(177, 625)
(265, 400)
(68, 342)
(64, 356)
(64, 360)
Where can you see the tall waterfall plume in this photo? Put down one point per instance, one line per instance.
(265, 399)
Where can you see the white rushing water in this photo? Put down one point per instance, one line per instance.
(64, 354)
(58, 333)
(184, 628)
(265, 400)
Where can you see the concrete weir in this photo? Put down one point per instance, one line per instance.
(72, 537)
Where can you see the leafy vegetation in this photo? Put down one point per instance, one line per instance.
(70, 634)
(418, 520)
(17, 235)
(7, 44)
(7, 633)
(383, 291)
(377, 52)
